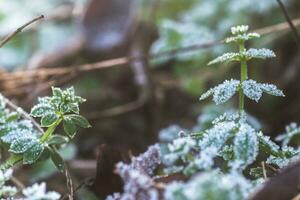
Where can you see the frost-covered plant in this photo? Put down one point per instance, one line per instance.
(213, 158)
(27, 143)
(231, 136)
(210, 186)
(35, 192)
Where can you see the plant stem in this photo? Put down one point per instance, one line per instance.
(244, 76)
(49, 131)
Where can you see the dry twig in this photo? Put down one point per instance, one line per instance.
(13, 34)
(289, 21)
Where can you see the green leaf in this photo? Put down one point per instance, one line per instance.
(41, 110)
(57, 140)
(245, 145)
(69, 126)
(33, 154)
(74, 107)
(57, 160)
(80, 121)
(20, 145)
(12, 116)
(49, 119)
(57, 92)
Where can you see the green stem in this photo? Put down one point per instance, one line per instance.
(244, 76)
(50, 131)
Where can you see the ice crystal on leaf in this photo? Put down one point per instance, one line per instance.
(6, 191)
(245, 145)
(226, 57)
(179, 149)
(217, 136)
(254, 90)
(38, 192)
(291, 131)
(222, 92)
(259, 53)
(242, 37)
(210, 185)
(271, 89)
(240, 29)
(138, 186)
(148, 161)
(267, 144)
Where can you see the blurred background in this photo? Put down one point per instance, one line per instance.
(142, 65)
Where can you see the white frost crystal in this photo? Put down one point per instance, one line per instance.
(222, 92)
(226, 57)
(259, 53)
(210, 185)
(291, 131)
(245, 145)
(38, 192)
(239, 29)
(254, 90)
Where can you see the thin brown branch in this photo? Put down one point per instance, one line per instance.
(264, 170)
(21, 112)
(289, 21)
(17, 182)
(13, 34)
(43, 74)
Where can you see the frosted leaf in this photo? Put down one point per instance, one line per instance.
(217, 135)
(170, 133)
(240, 29)
(202, 161)
(289, 155)
(228, 116)
(174, 191)
(252, 90)
(256, 172)
(22, 144)
(15, 134)
(179, 148)
(226, 57)
(148, 161)
(38, 192)
(267, 145)
(7, 191)
(137, 185)
(242, 37)
(225, 91)
(271, 89)
(291, 131)
(259, 53)
(227, 152)
(245, 145)
(222, 92)
(205, 160)
(210, 185)
(207, 94)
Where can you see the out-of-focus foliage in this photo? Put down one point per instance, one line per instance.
(204, 21)
(48, 36)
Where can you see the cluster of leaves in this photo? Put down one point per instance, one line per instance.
(216, 155)
(207, 21)
(28, 143)
(35, 192)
